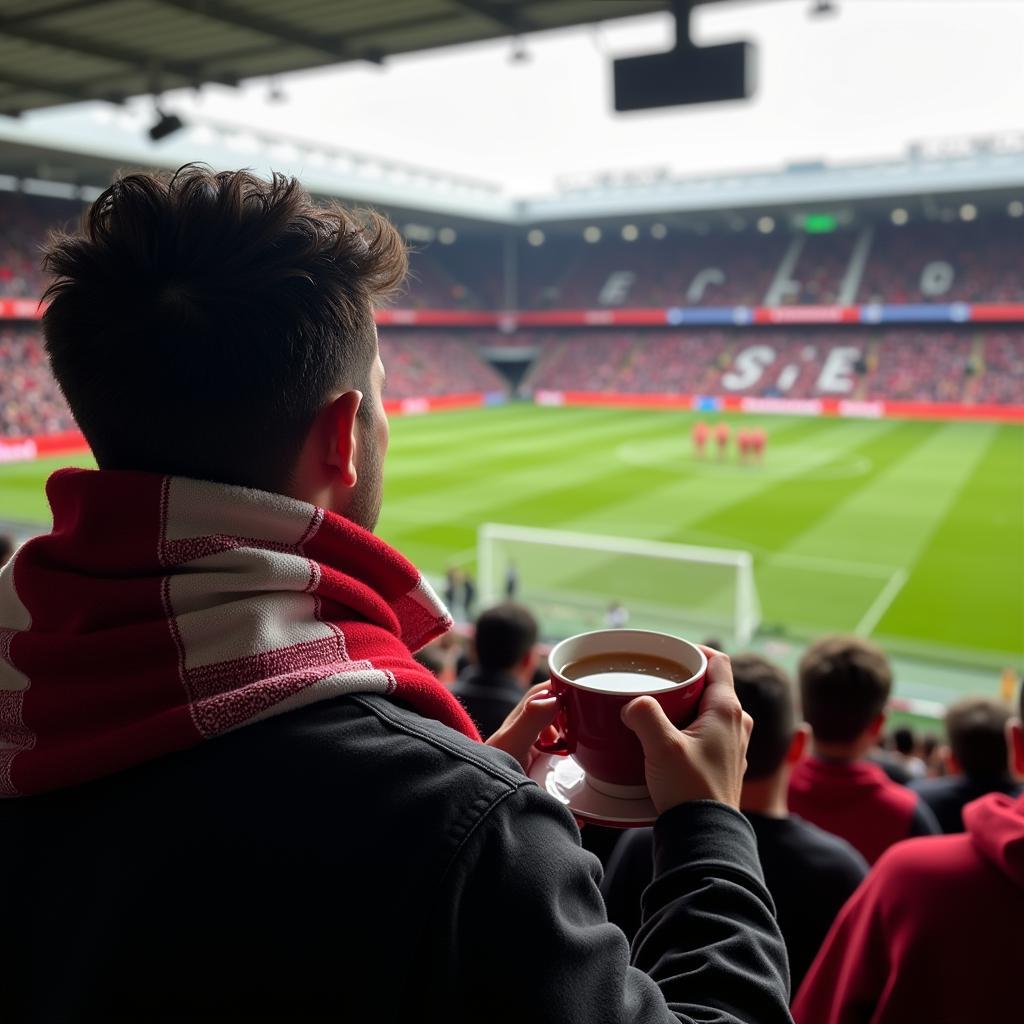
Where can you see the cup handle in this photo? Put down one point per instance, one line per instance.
(564, 744)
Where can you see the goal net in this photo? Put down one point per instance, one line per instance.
(576, 582)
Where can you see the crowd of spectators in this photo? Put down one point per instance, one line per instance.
(901, 365)
(923, 262)
(828, 793)
(30, 400)
(428, 363)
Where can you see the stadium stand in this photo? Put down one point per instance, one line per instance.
(30, 401)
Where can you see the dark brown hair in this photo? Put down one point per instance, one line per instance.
(201, 320)
(845, 683)
(504, 635)
(977, 737)
(766, 694)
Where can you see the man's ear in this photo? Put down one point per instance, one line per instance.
(874, 730)
(341, 436)
(798, 744)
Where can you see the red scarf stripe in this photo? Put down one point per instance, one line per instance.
(114, 619)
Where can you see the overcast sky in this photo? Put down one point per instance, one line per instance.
(857, 84)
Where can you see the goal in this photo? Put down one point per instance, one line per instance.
(573, 580)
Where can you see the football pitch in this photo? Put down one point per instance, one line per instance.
(912, 532)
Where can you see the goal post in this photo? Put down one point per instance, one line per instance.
(572, 580)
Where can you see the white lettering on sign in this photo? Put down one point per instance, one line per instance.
(703, 279)
(837, 374)
(937, 278)
(615, 290)
(787, 378)
(748, 367)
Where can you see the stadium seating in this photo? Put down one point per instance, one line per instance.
(30, 401)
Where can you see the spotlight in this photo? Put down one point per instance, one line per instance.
(592, 234)
(630, 232)
(968, 211)
(899, 216)
(658, 231)
(766, 225)
(1016, 208)
(166, 124)
(535, 236)
(447, 236)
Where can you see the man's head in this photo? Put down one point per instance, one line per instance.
(903, 740)
(504, 639)
(7, 548)
(766, 694)
(977, 737)
(845, 682)
(219, 326)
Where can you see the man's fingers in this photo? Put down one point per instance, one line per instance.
(646, 717)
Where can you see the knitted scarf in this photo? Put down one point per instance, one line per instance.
(162, 611)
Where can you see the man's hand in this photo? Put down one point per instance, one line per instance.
(530, 718)
(705, 761)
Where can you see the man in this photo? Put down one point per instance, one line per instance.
(845, 683)
(699, 436)
(7, 548)
(809, 873)
(234, 794)
(504, 645)
(978, 761)
(722, 434)
(934, 932)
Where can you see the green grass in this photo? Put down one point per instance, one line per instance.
(910, 531)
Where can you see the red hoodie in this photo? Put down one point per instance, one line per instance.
(857, 801)
(934, 934)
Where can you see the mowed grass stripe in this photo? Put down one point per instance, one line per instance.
(775, 516)
(889, 520)
(967, 587)
(700, 489)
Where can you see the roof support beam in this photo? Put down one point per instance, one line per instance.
(227, 15)
(510, 19)
(18, 28)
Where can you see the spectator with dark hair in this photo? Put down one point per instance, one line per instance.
(7, 548)
(978, 761)
(504, 644)
(934, 933)
(809, 873)
(905, 744)
(231, 793)
(845, 682)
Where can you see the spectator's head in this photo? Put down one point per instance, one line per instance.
(903, 741)
(504, 640)
(766, 694)
(7, 548)
(219, 326)
(845, 683)
(978, 737)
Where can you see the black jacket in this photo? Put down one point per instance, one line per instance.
(948, 796)
(489, 697)
(809, 872)
(353, 861)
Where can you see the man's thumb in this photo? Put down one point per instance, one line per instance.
(646, 717)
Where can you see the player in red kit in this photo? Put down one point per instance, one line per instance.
(722, 433)
(744, 445)
(700, 434)
(758, 441)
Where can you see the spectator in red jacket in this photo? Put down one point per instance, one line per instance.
(934, 934)
(845, 683)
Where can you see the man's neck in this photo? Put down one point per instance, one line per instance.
(766, 796)
(853, 751)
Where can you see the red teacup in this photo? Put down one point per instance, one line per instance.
(589, 716)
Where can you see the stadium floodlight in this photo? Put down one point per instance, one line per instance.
(899, 216)
(630, 232)
(766, 225)
(166, 124)
(447, 236)
(592, 234)
(968, 211)
(570, 579)
(535, 236)
(658, 231)
(1016, 208)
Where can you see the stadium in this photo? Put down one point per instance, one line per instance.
(751, 408)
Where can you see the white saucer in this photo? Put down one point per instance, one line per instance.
(562, 777)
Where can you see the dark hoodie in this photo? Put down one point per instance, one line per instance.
(933, 934)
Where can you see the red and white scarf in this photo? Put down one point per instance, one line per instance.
(161, 611)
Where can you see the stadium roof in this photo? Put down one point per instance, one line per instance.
(60, 51)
